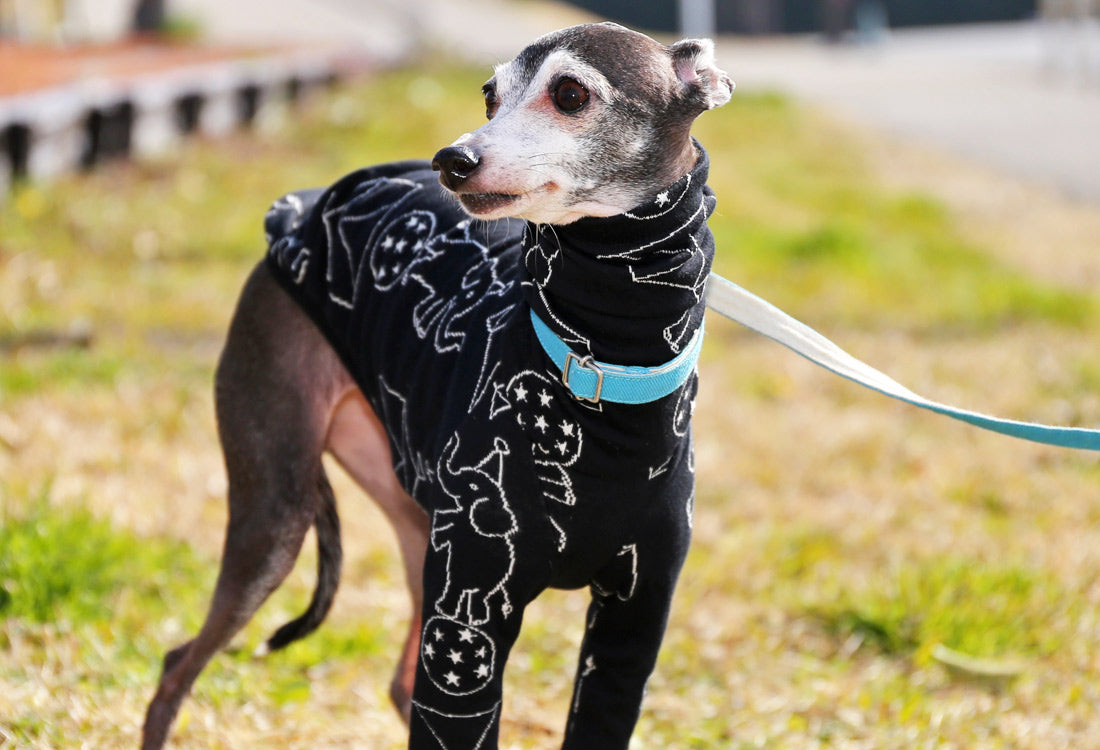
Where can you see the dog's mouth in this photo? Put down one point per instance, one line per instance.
(487, 203)
(499, 205)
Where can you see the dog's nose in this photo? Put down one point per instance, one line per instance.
(455, 164)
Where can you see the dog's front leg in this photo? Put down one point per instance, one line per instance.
(625, 625)
(469, 622)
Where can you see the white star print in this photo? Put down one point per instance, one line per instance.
(387, 243)
(482, 670)
(521, 393)
(562, 446)
(544, 398)
(662, 198)
(540, 422)
(480, 653)
(438, 635)
(429, 650)
(451, 678)
(567, 428)
(465, 636)
(455, 657)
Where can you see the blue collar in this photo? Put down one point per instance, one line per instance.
(589, 380)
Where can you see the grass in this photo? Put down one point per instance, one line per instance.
(839, 243)
(839, 537)
(980, 609)
(75, 592)
(71, 566)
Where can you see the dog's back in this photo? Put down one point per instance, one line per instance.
(393, 272)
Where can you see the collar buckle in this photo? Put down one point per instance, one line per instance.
(585, 363)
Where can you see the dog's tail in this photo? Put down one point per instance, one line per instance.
(329, 557)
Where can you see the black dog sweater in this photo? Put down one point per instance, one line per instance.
(527, 486)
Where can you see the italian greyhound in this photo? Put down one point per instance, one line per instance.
(503, 357)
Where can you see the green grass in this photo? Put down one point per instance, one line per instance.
(69, 566)
(76, 596)
(830, 556)
(979, 608)
(72, 369)
(81, 597)
(799, 220)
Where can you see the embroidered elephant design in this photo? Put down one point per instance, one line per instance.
(475, 535)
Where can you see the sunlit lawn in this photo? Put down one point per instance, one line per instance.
(839, 537)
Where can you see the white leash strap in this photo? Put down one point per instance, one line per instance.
(744, 307)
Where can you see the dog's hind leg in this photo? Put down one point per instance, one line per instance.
(276, 385)
(359, 443)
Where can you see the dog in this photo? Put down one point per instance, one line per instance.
(502, 355)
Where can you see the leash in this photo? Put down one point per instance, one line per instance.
(744, 307)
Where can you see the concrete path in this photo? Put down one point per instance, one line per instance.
(985, 93)
(483, 31)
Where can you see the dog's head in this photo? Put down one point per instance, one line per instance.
(586, 121)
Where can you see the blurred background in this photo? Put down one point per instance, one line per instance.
(918, 179)
(1010, 82)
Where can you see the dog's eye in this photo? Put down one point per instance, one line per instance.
(569, 96)
(491, 103)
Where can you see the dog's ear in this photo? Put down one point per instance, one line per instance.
(693, 60)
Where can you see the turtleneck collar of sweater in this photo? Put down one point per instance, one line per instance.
(626, 289)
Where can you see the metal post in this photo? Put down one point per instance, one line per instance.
(148, 16)
(697, 18)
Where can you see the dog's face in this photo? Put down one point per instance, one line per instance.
(586, 121)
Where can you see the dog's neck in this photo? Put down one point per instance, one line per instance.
(626, 289)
